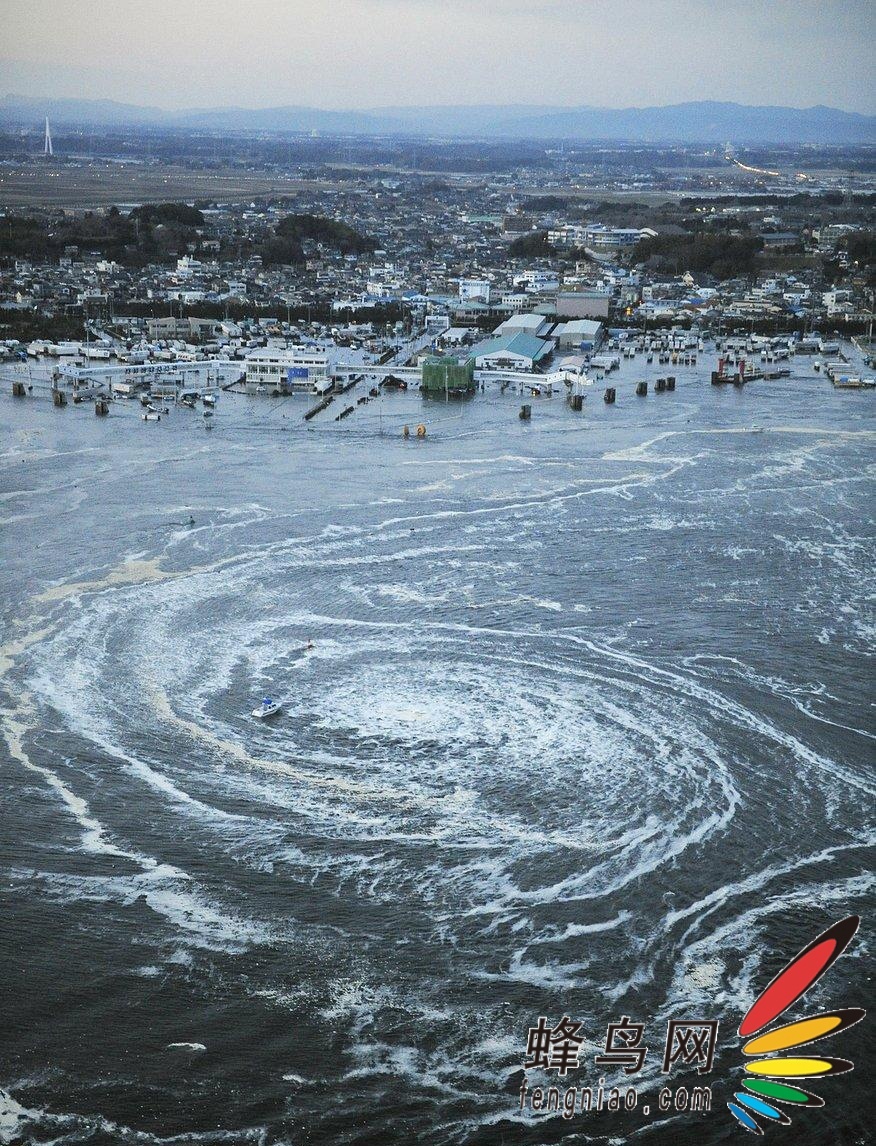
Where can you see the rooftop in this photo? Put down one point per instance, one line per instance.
(526, 345)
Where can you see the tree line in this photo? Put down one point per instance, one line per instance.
(161, 232)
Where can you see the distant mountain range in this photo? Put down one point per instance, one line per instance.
(703, 122)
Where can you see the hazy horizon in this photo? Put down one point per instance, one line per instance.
(360, 54)
(412, 105)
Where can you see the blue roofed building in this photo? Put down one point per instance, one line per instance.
(511, 352)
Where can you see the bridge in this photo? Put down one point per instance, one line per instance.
(208, 374)
(217, 372)
(205, 372)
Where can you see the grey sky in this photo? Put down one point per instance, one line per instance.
(363, 53)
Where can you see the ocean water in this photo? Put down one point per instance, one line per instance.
(587, 729)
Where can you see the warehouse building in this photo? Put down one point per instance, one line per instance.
(583, 304)
(583, 334)
(535, 324)
(511, 352)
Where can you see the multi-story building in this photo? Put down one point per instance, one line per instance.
(537, 280)
(474, 290)
(288, 369)
(601, 238)
(597, 236)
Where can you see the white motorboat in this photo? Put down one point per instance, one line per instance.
(268, 707)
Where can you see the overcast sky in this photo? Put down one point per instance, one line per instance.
(365, 53)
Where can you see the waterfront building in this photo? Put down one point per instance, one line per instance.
(288, 369)
(511, 352)
(534, 324)
(580, 334)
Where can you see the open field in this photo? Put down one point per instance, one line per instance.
(40, 184)
(37, 184)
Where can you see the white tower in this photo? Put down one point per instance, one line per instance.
(48, 147)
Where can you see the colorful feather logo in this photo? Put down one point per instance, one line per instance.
(769, 1080)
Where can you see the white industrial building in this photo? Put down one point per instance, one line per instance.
(535, 324)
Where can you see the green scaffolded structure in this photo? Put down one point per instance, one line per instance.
(444, 374)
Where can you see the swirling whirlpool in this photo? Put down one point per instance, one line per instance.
(488, 796)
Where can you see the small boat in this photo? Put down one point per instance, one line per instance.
(268, 708)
